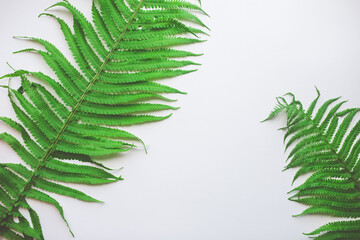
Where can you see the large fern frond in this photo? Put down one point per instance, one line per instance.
(326, 145)
(118, 57)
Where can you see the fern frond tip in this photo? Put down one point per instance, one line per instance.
(54, 5)
(21, 37)
(25, 50)
(47, 14)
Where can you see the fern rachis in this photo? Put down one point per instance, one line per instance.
(119, 58)
(326, 146)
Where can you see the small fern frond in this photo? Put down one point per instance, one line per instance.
(119, 57)
(326, 145)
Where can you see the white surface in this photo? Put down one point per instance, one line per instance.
(213, 171)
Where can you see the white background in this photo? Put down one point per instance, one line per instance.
(213, 171)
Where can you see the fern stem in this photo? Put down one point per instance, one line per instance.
(51, 148)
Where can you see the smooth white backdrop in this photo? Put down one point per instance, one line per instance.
(213, 171)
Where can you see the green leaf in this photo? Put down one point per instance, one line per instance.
(327, 149)
(109, 81)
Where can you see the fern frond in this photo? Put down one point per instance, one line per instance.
(325, 145)
(118, 58)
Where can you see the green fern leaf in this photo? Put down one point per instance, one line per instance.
(73, 117)
(326, 146)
